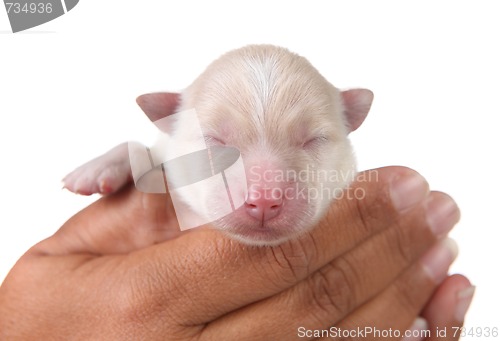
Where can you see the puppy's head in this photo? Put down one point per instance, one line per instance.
(290, 126)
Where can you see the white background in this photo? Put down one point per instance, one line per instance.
(68, 88)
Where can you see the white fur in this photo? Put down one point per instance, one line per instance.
(283, 116)
(267, 102)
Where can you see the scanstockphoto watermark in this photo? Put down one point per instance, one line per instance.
(310, 194)
(309, 184)
(362, 332)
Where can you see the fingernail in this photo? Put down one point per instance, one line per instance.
(419, 325)
(408, 190)
(437, 260)
(442, 214)
(464, 299)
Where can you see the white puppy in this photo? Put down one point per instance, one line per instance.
(290, 125)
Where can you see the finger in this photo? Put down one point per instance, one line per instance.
(129, 220)
(119, 223)
(240, 274)
(447, 308)
(392, 313)
(207, 254)
(350, 280)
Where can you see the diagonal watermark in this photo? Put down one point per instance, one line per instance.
(193, 171)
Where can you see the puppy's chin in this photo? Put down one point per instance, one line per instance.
(298, 215)
(293, 221)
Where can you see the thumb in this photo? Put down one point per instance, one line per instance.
(119, 223)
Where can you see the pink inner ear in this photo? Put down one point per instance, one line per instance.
(158, 105)
(357, 103)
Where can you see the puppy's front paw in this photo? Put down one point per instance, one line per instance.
(105, 174)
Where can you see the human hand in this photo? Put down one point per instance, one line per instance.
(110, 274)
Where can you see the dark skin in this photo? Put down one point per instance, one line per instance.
(112, 273)
(108, 274)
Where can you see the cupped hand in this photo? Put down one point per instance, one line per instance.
(379, 259)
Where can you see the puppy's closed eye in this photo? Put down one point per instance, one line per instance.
(314, 142)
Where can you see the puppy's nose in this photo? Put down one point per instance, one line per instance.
(263, 205)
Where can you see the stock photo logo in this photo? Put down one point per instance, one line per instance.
(205, 184)
(24, 15)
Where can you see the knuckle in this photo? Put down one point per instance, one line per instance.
(404, 245)
(147, 308)
(369, 214)
(408, 296)
(141, 298)
(373, 210)
(134, 306)
(289, 262)
(364, 216)
(332, 289)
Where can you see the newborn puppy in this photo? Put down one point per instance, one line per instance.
(290, 125)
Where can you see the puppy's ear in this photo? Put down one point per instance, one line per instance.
(158, 105)
(357, 103)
